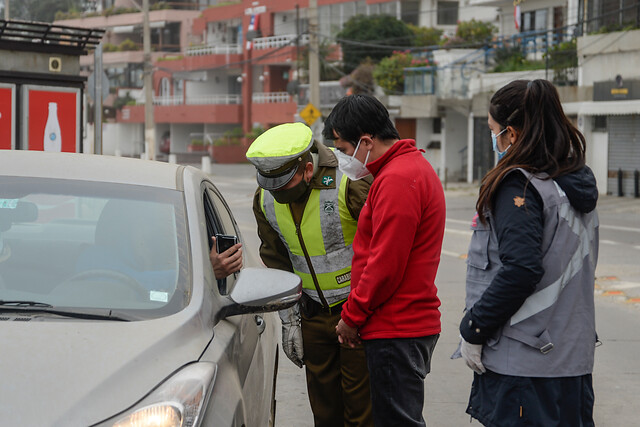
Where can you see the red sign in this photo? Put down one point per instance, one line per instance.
(6, 118)
(53, 120)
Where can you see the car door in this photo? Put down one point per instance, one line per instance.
(249, 359)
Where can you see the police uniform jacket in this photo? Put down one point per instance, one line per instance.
(273, 251)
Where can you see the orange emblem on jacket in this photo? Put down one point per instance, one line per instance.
(518, 201)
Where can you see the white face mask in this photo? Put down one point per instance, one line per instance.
(353, 168)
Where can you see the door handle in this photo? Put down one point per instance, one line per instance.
(260, 323)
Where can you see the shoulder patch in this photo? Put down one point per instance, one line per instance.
(518, 201)
(327, 180)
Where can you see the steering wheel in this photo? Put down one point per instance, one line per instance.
(119, 283)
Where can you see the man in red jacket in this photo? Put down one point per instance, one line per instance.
(393, 303)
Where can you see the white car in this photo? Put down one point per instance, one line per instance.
(110, 313)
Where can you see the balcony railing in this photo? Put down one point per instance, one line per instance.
(451, 80)
(270, 97)
(419, 81)
(224, 99)
(217, 49)
(278, 41)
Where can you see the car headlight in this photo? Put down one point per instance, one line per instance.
(177, 402)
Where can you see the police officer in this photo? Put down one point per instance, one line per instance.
(307, 211)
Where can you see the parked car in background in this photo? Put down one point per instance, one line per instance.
(110, 313)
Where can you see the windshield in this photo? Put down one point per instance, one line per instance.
(93, 245)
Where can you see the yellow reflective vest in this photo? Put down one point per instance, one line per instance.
(320, 245)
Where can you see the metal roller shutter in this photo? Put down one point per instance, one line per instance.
(624, 152)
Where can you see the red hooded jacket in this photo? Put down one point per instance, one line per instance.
(397, 249)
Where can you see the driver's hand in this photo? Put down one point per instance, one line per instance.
(226, 263)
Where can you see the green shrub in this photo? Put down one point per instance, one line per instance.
(71, 14)
(160, 5)
(470, 34)
(389, 73)
(611, 28)
(234, 133)
(255, 132)
(110, 47)
(476, 31)
(224, 3)
(512, 58)
(121, 101)
(424, 36)
(231, 137)
(128, 45)
(119, 11)
(170, 58)
(563, 59)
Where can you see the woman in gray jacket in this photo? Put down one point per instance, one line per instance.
(529, 327)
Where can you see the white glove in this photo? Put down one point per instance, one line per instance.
(292, 334)
(472, 355)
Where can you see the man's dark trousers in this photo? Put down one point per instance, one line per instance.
(397, 369)
(337, 378)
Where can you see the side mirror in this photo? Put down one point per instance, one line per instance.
(259, 290)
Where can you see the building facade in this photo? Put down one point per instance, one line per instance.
(226, 70)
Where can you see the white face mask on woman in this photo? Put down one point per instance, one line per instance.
(353, 168)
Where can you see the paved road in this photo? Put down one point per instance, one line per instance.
(617, 369)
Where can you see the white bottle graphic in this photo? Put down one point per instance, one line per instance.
(52, 137)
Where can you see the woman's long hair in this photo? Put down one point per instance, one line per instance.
(547, 141)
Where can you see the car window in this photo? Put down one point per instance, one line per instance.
(219, 221)
(93, 245)
(224, 213)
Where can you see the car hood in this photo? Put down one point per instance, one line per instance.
(77, 373)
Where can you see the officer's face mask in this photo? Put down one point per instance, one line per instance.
(494, 140)
(353, 168)
(291, 194)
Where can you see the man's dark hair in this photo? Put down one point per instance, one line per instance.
(355, 115)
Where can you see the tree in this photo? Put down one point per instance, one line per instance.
(41, 10)
(360, 81)
(362, 38)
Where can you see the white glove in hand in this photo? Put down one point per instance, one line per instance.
(292, 334)
(472, 355)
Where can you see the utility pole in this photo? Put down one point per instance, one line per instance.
(6, 10)
(97, 100)
(314, 50)
(149, 127)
